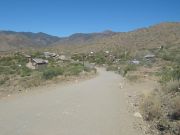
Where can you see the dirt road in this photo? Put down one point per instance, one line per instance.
(93, 107)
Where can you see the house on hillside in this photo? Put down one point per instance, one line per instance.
(49, 55)
(39, 63)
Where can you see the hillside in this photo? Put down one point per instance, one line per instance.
(165, 34)
(10, 40)
(154, 36)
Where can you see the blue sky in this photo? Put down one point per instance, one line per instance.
(65, 17)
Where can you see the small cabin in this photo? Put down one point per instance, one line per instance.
(49, 55)
(39, 63)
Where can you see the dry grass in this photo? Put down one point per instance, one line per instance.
(151, 107)
(172, 87)
(162, 108)
(174, 108)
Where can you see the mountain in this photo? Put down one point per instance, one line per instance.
(84, 38)
(10, 40)
(15, 40)
(164, 34)
(154, 36)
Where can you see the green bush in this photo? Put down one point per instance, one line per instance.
(24, 71)
(52, 72)
(100, 59)
(176, 73)
(3, 80)
(74, 69)
(79, 57)
(112, 68)
(174, 110)
(168, 74)
(12, 64)
(172, 87)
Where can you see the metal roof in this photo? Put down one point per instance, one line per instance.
(39, 61)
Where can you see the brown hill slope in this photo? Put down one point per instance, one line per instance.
(10, 40)
(165, 34)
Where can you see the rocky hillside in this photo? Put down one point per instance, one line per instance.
(16, 40)
(154, 36)
(164, 34)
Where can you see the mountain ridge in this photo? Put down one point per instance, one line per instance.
(155, 35)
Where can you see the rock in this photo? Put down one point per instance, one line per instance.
(137, 114)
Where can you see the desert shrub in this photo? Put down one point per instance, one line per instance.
(167, 56)
(112, 68)
(174, 108)
(172, 86)
(12, 64)
(24, 71)
(36, 54)
(177, 58)
(78, 56)
(87, 69)
(176, 73)
(151, 107)
(127, 68)
(31, 81)
(162, 108)
(51, 72)
(132, 78)
(162, 124)
(100, 59)
(74, 69)
(3, 79)
(168, 74)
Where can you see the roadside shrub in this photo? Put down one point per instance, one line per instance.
(87, 69)
(172, 87)
(52, 72)
(74, 69)
(174, 108)
(112, 68)
(24, 71)
(176, 73)
(151, 107)
(167, 56)
(100, 59)
(3, 79)
(163, 109)
(31, 81)
(13, 64)
(79, 57)
(170, 74)
(129, 67)
(132, 78)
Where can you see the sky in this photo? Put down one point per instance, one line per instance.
(65, 17)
